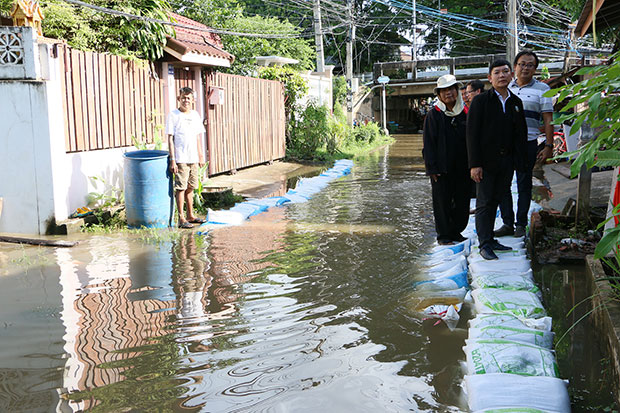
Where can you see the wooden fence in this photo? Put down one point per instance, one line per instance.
(108, 99)
(246, 128)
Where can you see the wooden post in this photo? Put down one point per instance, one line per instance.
(582, 214)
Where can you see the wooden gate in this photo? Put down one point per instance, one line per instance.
(245, 121)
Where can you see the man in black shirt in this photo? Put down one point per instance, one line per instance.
(496, 146)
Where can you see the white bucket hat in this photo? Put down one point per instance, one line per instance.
(446, 81)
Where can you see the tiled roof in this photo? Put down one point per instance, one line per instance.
(196, 41)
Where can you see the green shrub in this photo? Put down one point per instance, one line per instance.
(310, 131)
(367, 133)
(339, 91)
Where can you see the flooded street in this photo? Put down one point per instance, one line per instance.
(303, 308)
(300, 309)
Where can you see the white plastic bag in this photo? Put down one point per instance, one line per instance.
(486, 356)
(513, 393)
(519, 303)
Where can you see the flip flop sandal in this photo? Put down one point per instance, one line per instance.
(186, 225)
(197, 221)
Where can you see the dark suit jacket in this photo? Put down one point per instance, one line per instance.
(486, 123)
(435, 151)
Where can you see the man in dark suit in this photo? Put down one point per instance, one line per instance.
(496, 146)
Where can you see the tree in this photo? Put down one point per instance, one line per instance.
(87, 29)
(601, 92)
(246, 49)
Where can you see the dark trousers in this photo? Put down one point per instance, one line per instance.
(451, 204)
(524, 188)
(489, 192)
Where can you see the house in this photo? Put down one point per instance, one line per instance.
(69, 115)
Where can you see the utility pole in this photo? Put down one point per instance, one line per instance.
(512, 38)
(414, 56)
(349, 69)
(439, 31)
(318, 37)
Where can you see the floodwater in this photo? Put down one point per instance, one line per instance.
(303, 308)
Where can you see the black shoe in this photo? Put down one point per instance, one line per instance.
(519, 232)
(504, 230)
(496, 246)
(487, 253)
(458, 238)
(445, 242)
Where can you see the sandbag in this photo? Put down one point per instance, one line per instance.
(509, 320)
(499, 266)
(509, 255)
(519, 303)
(512, 393)
(524, 281)
(457, 264)
(486, 356)
(447, 282)
(520, 334)
(225, 217)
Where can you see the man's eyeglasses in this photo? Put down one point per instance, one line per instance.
(526, 65)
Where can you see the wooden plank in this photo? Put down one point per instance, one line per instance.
(148, 106)
(97, 100)
(114, 109)
(126, 130)
(78, 98)
(90, 102)
(69, 98)
(38, 241)
(105, 88)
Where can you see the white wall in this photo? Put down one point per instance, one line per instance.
(319, 88)
(25, 162)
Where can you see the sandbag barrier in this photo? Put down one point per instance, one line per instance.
(510, 364)
(304, 190)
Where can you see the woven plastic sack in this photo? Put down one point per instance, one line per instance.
(509, 320)
(486, 356)
(524, 281)
(520, 334)
(512, 393)
(499, 266)
(519, 303)
(449, 282)
(457, 264)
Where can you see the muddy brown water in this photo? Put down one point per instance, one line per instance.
(303, 308)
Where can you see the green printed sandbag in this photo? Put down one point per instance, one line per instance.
(512, 393)
(520, 334)
(519, 254)
(509, 320)
(486, 356)
(519, 303)
(524, 281)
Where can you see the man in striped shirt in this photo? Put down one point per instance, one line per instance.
(535, 106)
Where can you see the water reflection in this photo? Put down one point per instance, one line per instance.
(299, 309)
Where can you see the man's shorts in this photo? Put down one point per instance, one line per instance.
(186, 177)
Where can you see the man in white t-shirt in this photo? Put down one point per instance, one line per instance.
(183, 128)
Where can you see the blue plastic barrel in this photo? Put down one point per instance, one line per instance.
(149, 199)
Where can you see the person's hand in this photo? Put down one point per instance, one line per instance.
(545, 154)
(201, 162)
(476, 174)
(173, 167)
(435, 177)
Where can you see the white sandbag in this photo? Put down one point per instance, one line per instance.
(524, 281)
(486, 356)
(509, 255)
(444, 282)
(225, 217)
(458, 247)
(439, 257)
(509, 320)
(520, 334)
(458, 264)
(512, 393)
(499, 266)
(519, 303)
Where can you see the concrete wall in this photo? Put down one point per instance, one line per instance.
(319, 87)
